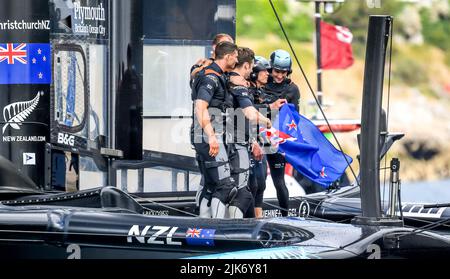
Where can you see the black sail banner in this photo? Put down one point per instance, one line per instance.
(25, 65)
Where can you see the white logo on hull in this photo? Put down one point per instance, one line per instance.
(163, 233)
(16, 113)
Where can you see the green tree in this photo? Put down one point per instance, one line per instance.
(255, 19)
(436, 32)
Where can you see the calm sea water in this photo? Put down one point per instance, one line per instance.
(425, 191)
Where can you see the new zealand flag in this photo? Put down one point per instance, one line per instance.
(200, 237)
(306, 148)
(24, 63)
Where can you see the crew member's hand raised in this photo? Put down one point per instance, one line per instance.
(239, 80)
(278, 104)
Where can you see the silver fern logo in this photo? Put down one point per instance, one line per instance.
(16, 113)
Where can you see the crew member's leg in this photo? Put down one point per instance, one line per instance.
(203, 196)
(240, 164)
(276, 164)
(243, 205)
(252, 179)
(260, 175)
(203, 199)
(198, 195)
(217, 179)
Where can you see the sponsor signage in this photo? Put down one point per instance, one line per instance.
(29, 159)
(19, 139)
(83, 18)
(66, 139)
(25, 21)
(25, 25)
(17, 115)
(89, 19)
(277, 213)
(26, 75)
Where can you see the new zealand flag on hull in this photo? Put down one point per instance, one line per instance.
(24, 63)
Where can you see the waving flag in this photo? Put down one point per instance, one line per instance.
(23, 63)
(305, 147)
(336, 49)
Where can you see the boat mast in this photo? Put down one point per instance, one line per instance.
(378, 36)
(377, 40)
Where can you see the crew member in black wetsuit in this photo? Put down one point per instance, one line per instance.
(243, 93)
(195, 69)
(240, 134)
(281, 86)
(258, 160)
(211, 100)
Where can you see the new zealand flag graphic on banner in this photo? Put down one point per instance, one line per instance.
(24, 63)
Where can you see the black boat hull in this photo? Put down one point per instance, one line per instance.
(340, 206)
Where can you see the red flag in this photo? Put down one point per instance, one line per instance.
(336, 48)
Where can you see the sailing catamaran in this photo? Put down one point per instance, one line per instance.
(106, 222)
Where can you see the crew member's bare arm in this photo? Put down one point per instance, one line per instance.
(202, 63)
(239, 80)
(203, 118)
(256, 117)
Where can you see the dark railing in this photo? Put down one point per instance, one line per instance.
(176, 164)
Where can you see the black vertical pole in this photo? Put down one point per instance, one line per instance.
(112, 86)
(112, 89)
(378, 36)
(318, 19)
(125, 79)
(126, 73)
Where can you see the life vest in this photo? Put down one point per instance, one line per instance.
(273, 93)
(222, 101)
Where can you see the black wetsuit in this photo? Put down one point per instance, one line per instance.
(240, 136)
(285, 90)
(258, 169)
(211, 86)
(274, 91)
